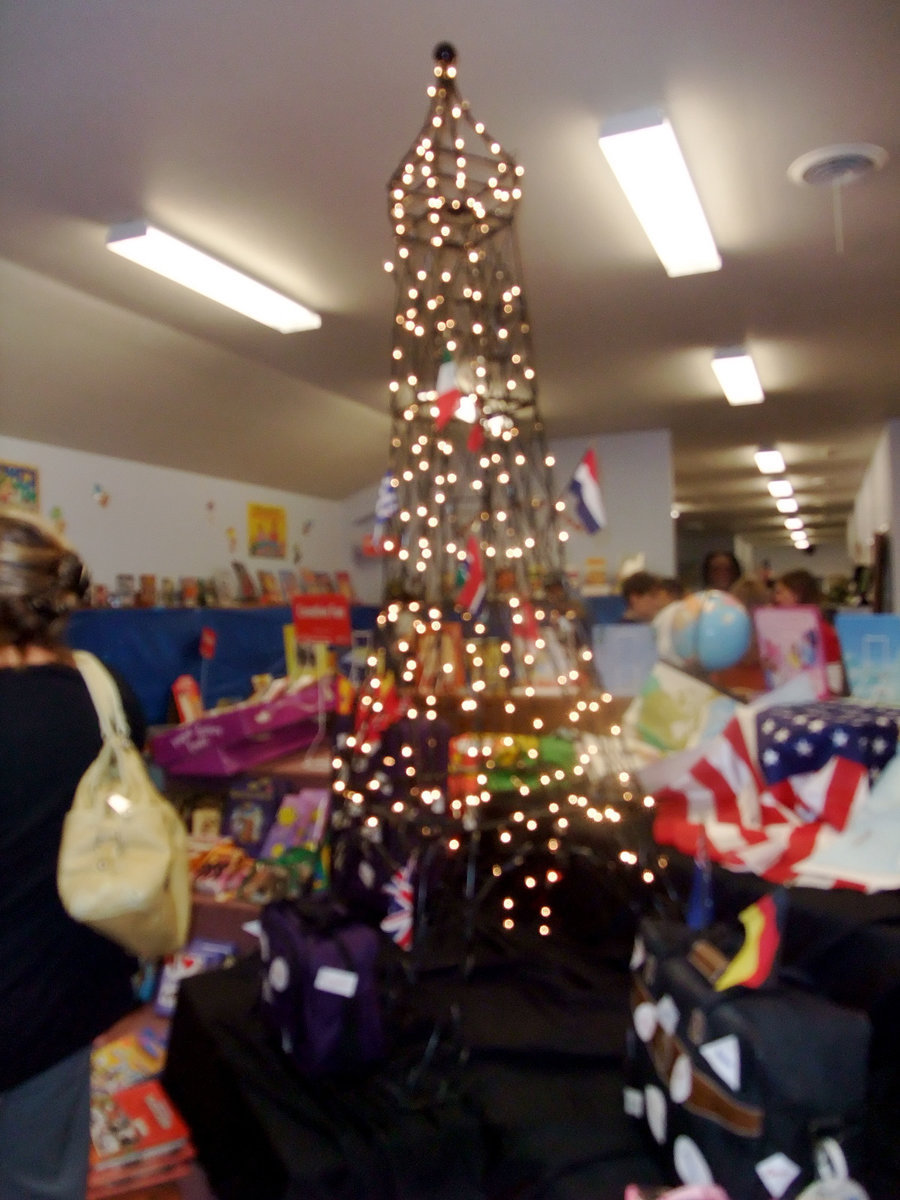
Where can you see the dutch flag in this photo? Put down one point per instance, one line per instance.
(585, 489)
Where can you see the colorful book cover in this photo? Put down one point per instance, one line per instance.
(790, 643)
(344, 584)
(249, 812)
(189, 588)
(124, 1061)
(870, 647)
(674, 710)
(270, 587)
(147, 592)
(134, 1124)
(290, 585)
(300, 821)
(246, 587)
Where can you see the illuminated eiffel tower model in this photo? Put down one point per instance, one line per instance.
(480, 688)
(477, 604)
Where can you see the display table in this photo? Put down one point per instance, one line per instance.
(540, 1098)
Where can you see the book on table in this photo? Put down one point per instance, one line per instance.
(125, 1060)
(134, 1125)
(114, 1181)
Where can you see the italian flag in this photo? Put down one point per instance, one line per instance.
(448, 391)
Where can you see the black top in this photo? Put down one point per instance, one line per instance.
(61, 984)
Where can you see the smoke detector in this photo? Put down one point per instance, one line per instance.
(837, 165)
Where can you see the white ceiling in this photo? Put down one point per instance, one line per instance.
(266, 131)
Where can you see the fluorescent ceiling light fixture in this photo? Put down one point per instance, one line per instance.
(736, 373)
(769, 461)
(798, 535)
(167, 256)
(793, 522)
(787, 505)
(643, 152)
(778, 488)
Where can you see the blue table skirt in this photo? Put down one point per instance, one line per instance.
(151, 647)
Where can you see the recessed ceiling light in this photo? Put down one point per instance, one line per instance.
(769, 461)
(793, 522)
(736, 373)
(168, 256)
(787, 504)
(779, 488)
(644, 155)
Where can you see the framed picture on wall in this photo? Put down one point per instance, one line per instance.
(19, 485)
(266, 531)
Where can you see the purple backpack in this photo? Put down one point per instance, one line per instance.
(320, 985)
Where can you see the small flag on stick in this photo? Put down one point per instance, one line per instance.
(398, 924)
(448, 391)
(757, 958)
(386, 504)
(585, 491)
(471, 594)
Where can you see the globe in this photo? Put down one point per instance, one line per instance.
(710, 630)
(684, 627)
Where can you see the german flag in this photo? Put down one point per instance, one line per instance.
(757, 958)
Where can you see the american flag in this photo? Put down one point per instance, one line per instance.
(398, 923)
(773, 783)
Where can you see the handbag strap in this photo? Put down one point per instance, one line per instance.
(105, 695)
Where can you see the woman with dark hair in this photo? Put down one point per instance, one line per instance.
(61, 984)
(721, 570)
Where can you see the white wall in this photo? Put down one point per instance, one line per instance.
(165, 522)
(636, 482)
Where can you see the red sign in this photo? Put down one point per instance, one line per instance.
(324, 618)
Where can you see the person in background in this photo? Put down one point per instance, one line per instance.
(670, 590)
(721, 570)
(802, 587)
(643, 596)
(61, 984)
(752, 591)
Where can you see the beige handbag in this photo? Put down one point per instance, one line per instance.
(123, 861)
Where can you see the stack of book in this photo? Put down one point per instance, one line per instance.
(138, 1137)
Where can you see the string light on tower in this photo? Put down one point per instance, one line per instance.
(481, 692)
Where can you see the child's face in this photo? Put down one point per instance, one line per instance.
(783, 595)
(646, 606)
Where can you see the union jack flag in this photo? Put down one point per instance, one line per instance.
(398, 924)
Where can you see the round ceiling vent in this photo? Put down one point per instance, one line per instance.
(837, 164)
